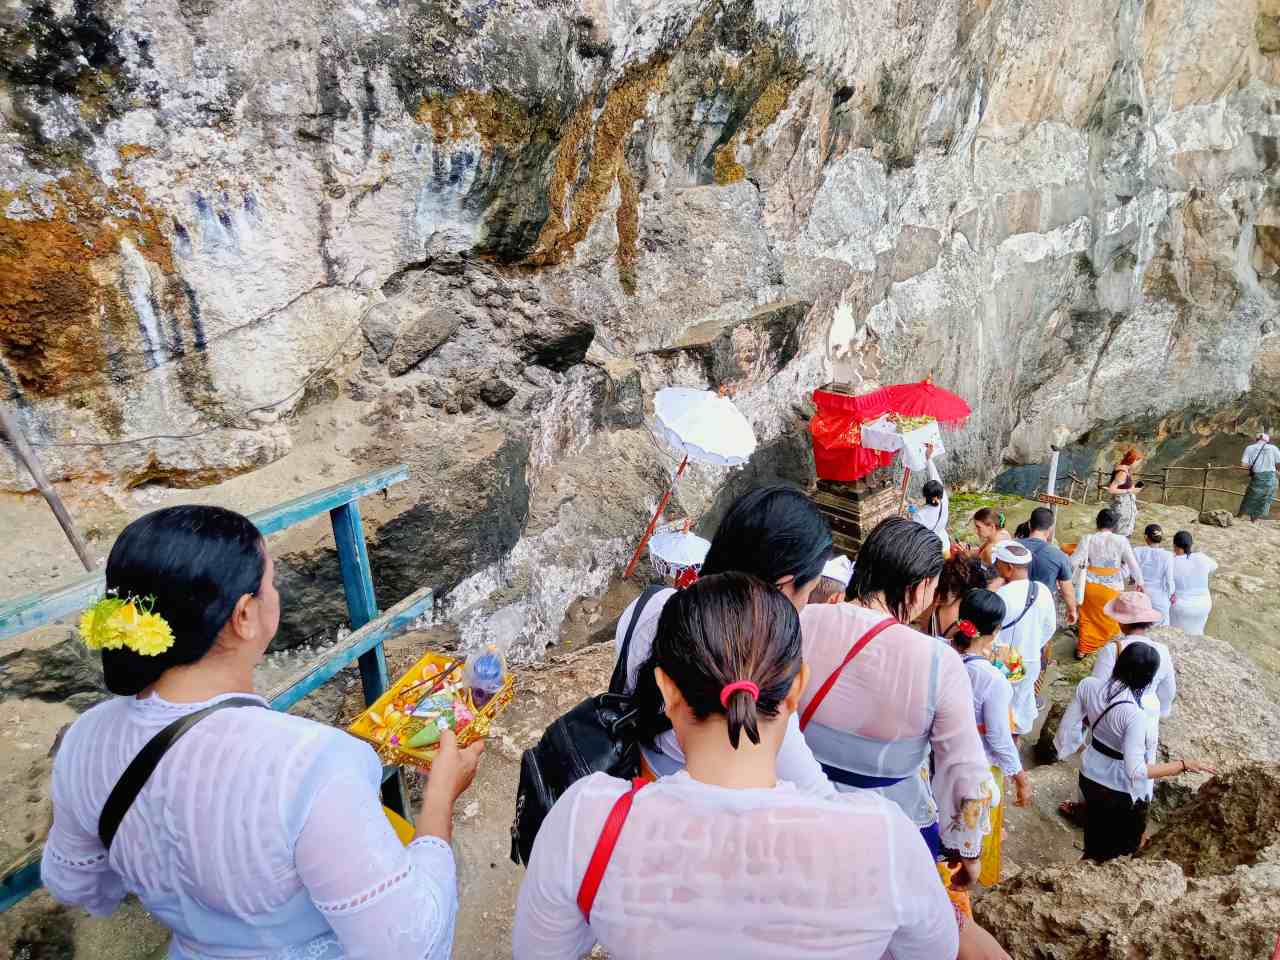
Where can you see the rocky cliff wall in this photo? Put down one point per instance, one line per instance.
(493, 227)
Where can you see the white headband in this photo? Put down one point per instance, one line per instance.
(840, 569)
(1013, 553)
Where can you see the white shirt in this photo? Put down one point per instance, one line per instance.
(796, 763)
(1028, 635)
(1157, 569)
(937, 517)
(1266, 455)
(1107, 549)
(1191, 574)
(757, 874)
(1124, 729)
(259, 835)
(1165, 683)
(992, 695)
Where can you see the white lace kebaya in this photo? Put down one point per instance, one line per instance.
(260, 836)
(755, 874)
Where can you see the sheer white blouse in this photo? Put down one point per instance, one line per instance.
(704, 871)
(260, 835)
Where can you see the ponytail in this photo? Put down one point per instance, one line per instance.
(731, 644)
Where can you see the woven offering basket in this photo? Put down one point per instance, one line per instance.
(398, 725)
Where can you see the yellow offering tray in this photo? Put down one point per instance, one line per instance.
(388, 723)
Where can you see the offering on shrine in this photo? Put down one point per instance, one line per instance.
(437, 693)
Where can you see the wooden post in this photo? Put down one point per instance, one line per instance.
(362, 606)
(26, 456)
(1051, 485)
(902, 499)
(1204, 487)
(1164, 492)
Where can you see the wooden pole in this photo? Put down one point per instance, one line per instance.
(1204, 487)
(1164, 491)
(1051, 485)
(902, 500)
(653, 523)
(26, 456)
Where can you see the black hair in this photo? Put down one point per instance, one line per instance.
(197, 562)
(1107, 519)
(1154, 533)
(985, 610)
(1134, 670)
(1182, 540)
(932, 492)
(724, 628)
(1023, 532)
(898, 554)
(1041, 519)
(771, 533)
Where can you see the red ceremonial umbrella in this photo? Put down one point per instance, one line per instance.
(921, 399)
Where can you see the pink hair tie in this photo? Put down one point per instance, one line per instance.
(731, 688)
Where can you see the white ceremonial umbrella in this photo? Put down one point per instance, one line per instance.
(706, 428)
(674, 551)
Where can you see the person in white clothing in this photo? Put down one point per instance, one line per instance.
(1156, 564)
(1119, 763)
(1030, 621)
(834, 580)
(1260, 458)
(776, 534)
(1192, 602)
(1136, 614)
(693, 868)
(258, 834)
(936, 512)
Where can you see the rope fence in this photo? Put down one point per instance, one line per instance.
(1095, 484)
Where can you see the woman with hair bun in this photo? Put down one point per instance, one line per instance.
(1106, 557)
(724, 858)
(989, 525)
(258, 834)
(1192, 601)
(1157, 570)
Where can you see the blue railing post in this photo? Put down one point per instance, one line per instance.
(362, 606)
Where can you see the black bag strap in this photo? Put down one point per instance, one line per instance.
(1033, 586)
(1257, 458)
(139, 771)
(1105, 749)
(618, 682)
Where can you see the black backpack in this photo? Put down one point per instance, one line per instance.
(596, 736)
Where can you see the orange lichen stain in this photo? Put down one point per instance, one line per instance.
(627, 220)
(575, 197)
(129, 152)
(497, 118)
(59, 308)
(764, 111)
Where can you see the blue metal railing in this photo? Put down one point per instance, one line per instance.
(364, 645)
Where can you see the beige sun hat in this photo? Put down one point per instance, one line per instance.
(1132, 607)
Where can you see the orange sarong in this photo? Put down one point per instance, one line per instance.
(1096, 628)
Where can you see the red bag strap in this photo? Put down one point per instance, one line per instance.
(604, 848)
(835, 674)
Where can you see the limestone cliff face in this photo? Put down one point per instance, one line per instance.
(495, 226)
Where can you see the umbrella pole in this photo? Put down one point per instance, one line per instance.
(902, 500)
(653, 523)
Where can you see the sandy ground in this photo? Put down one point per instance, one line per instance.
(580, 665)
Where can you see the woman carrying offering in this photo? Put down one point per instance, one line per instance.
(881, 694)
(258, 834)
(936, 512)
(689, 865)
(1104, 556)
(1157, 570)
(1191, 601)
(778, 535)
(1124, 493)
(1118, 768)
(973, 636)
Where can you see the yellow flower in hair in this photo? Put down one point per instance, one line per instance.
(151, 636)
(99, 626)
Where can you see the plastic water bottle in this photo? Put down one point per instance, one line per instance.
(484, 673)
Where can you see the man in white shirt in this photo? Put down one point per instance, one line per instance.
(1029, 622)
(1260, 459)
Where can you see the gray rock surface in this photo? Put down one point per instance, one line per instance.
(216, 219)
